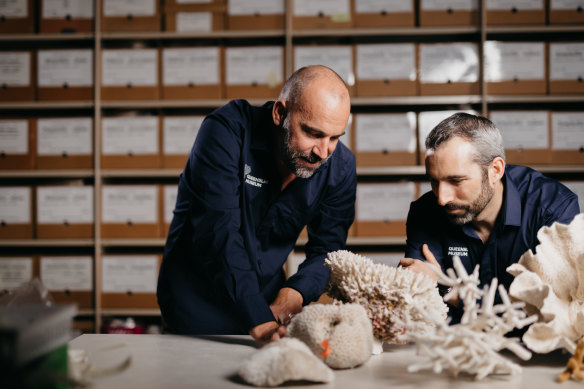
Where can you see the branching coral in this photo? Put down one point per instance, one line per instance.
(472, 345)
(388, 294)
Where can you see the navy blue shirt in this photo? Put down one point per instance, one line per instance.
(530, 201)
(234, 227)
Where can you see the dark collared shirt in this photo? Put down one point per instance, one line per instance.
(530, 201)
(233, 227)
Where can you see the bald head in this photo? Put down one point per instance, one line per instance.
(310, 116)
(306, 80)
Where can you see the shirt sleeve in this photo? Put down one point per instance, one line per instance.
(327, 232)
(212, 176)
(563, 210)
(419, 232)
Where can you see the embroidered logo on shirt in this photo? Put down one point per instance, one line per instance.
(251, 180)
(458, 251)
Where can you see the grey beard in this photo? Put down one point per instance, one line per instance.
(292, 157)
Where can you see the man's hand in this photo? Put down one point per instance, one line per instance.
(287, 304)
(420, 266)
(266, 332)
(424, 267)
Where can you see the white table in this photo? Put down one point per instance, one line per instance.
(168, 361)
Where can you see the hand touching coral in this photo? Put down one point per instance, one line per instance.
(287, 303)
(420, 266)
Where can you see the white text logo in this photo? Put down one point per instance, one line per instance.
(251, 180)
(459, 251)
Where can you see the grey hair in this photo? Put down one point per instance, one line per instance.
(479, 131)
(300, 79)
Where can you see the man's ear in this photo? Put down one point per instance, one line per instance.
(497, 169)
(279, 112)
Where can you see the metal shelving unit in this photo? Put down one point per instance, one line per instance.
(99, 176)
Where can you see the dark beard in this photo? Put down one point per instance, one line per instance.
(476, 207)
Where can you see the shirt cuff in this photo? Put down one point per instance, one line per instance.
(255, 310)
(298, 284)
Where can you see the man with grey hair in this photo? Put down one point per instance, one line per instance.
(255, 177)
(480, 209)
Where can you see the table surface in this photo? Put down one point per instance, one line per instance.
(168, 361)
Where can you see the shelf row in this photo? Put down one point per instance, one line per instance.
(142, 213)
(186, 16)
(412, 32)
(125, 284)
(158, 243)
(379, 171)
(369, 70)
(127, 281)
(162, 143)
(355, 102)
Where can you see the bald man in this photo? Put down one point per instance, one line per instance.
(255, 177)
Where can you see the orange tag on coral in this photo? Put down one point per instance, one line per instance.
(327, 350)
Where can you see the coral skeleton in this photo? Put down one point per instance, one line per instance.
(288, 359)
(472, 346)
(551, 283)
(319, 338)
(575, 365)
(339, 334)
(388, 295)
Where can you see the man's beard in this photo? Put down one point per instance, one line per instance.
(474, 208)
(293, 159)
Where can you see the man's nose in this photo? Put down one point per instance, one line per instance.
(444, 194)
(322, 148)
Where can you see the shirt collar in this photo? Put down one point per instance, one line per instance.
(511, 203)
(263, 128)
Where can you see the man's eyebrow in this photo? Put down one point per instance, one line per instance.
(455, 177)
(451, 177)
(307, 128)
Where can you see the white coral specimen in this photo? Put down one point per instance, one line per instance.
(339, 334)
(551, 283)
(288, 359)
(472, 345)
(388, 294)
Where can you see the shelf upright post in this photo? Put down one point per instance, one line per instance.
(288, 36)
(98, 250)
(482, 70)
